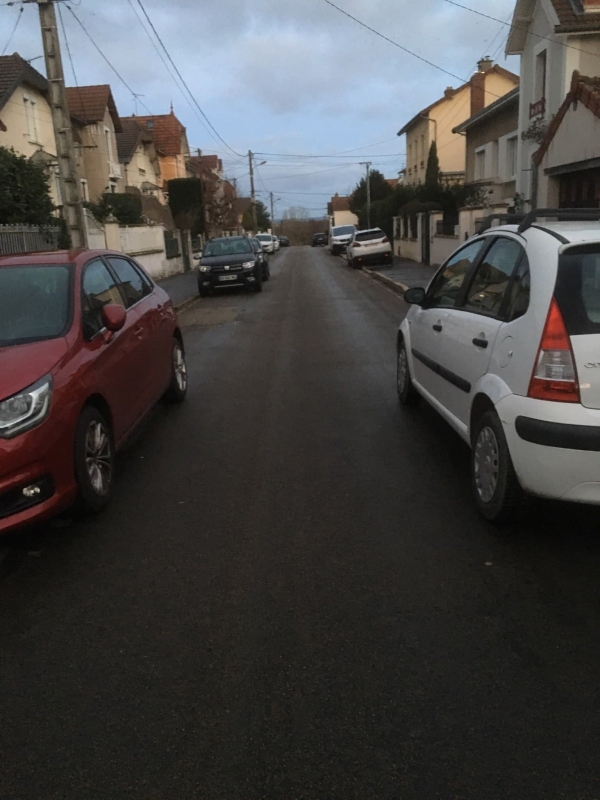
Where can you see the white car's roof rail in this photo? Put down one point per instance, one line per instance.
(560, 215)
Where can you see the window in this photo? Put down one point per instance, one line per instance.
(495, 149)
(511, 156)
(30, 109)
(369, 236)
(133, 285)
(57, 186)
(578, 289)
(480, 164)
(540, 75)
(99, 289)
(518, 294)
(447, 284)
(85, 195)
(108, 144)
(35, 303)
(492, 278)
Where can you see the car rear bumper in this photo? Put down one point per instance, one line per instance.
(40, 458)
(555, 447)
(372, 258)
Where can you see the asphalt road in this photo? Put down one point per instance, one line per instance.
(292, 595)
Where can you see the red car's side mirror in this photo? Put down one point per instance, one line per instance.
(113, 317)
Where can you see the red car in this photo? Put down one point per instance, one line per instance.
(88, 344)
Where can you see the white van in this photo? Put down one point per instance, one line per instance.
(339, 238)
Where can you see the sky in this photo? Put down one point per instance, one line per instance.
(295, 81)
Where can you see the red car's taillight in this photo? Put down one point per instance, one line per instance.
(554, 375)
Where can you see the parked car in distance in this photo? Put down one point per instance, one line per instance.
(262, 257)
(369, 247)
(284, 241)
(88, 344)
(504, 343)
(319, 240)
(267, 241)
(229, 261)
(339, 237)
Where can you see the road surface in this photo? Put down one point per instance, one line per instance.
(292, 595)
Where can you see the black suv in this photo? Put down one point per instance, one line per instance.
(230, 261)
(262, 256)
(319, 240)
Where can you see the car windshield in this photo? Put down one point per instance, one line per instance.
(264, 237)
(35, 303)
(368, 236)
(227, 247)
(344, 230)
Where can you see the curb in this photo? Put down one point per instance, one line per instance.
(395, 286)
(186, 303)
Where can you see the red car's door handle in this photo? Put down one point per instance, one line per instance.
(139, 331)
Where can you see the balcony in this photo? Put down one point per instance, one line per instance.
(537, 109)
(114, 169)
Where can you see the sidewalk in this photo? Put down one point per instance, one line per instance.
(402, 274)
(181, 287)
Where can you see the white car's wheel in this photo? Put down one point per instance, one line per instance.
(497, 491)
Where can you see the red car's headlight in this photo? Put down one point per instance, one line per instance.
(25, 409)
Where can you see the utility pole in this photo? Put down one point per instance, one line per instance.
(272, 214)
(367, 164)
(252, 194)
(61, 121)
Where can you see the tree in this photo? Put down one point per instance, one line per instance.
(126, 208)
(380, 189)
(185, 201)
(432, 173)
(24, 191)
(263, 220)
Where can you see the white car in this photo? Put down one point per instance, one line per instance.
(338, 239)
(267, 242)
(369, 247)
(505, 345)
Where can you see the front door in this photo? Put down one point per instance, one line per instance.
(472, 327)
(428, 324)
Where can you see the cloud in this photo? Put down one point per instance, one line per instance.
(290, 76)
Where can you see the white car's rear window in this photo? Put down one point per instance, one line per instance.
(369, 236)
(578, 289)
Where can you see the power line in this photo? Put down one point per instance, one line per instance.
(12, 33)
(119, 76)
(301, 155)
(391, 41)
(141, 5)
(518, 28)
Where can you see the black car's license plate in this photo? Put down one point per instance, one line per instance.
(228, 277)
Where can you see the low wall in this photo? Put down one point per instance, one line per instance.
(145, 243)
(442, 248)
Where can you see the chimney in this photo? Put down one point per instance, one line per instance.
(591, 6)
(449, 92)
(485, 64)
(477, 92)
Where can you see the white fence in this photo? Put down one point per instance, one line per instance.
(27, 239)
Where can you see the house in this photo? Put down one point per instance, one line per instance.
(554, 38)
(242, 206)
(219, 215)
(139, 158)
(568, 161)
(95, 125)
(338, 211)
(486, 86)
(492, 138)
(25, 117)
(170, 139)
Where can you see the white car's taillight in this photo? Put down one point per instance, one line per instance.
(554, 375)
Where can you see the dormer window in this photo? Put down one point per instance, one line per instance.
(150, 124)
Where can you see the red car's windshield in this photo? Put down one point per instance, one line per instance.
(35, 303)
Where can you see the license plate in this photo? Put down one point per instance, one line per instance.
(228, 277)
